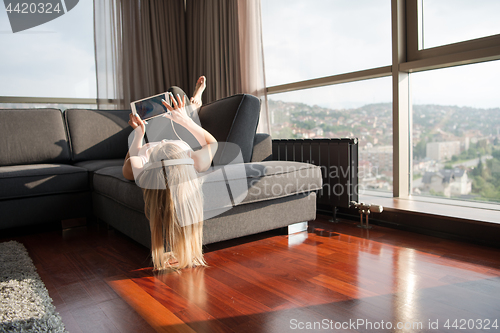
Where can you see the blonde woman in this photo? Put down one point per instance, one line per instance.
(167, 172)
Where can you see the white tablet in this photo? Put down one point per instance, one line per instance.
(150, 107)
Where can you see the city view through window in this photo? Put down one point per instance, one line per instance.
(354, 110)
(456, 148)
(456, 132)
(456, 151)
(455, 111)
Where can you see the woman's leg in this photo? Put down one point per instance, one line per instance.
(201, 84)
(178, 91)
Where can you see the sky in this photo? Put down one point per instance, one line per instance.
(318, 38)
(302, 40)
(55, 59)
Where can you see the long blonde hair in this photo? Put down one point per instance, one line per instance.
(174, 211)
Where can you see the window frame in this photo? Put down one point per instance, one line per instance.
(460, 53)
(46, 100)
(57, 101)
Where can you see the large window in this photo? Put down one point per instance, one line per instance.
(456, 132)
(55, 59)
(361, 109)
(443, 58)
(348, 43)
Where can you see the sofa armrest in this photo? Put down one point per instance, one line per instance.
(232, 119)
(262, 148)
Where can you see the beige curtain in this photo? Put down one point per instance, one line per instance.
(253, 79)
(212, 34)
(145, 46)
(225, 45)
(140, 49)
(107, 46)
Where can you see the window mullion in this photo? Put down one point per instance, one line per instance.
(401, 103)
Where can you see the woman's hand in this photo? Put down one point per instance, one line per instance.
(178, 112)
(137, 124)
(179, 115)
(139, 130)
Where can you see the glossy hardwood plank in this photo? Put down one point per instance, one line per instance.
(158, 316)
(345, 288)
(92, 319)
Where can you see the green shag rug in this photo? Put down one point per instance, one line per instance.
(25, 304)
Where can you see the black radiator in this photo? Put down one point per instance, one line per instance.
(338, 159)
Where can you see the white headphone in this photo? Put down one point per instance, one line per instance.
(162, 163)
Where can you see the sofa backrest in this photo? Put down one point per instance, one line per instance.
(98, 135)
(233, 119)
(32, 136)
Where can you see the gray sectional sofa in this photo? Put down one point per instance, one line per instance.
(56, 166)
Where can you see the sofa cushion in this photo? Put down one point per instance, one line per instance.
(111, 183)
(32, 136)
(263, 181)
(233, 119)
(268, 180)
(98, 135)
(40, 179)
(95, 165)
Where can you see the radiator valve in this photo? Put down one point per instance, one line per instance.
(365, 209)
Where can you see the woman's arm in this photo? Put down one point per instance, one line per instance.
(133, 163)
(203, 157)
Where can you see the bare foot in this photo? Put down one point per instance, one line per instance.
(201, 84)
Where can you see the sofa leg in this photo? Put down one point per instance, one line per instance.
(72, 223)
(103, 225)
(296, 234)
(297, 227)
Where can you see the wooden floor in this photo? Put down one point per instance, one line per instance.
(335, 277)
